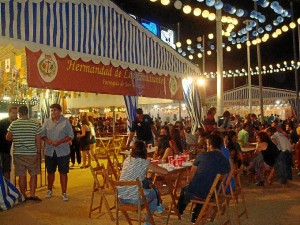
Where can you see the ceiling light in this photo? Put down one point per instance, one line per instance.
(239, 46)
(210, 36)
(205, 13)
(228, 48)
(178, 44)
(292, 25)
(208, 52)
(212, 16)
(189, 41)
(199, 55)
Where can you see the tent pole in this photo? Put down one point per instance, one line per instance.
(220, 105)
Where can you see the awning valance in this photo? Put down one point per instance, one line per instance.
(90, 30)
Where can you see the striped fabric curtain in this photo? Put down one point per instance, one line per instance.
(9, 194)
(53, 98)
(192, 100)
(131, 103)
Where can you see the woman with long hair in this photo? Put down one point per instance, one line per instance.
(85, 142)
(163, 150)
(93, 135)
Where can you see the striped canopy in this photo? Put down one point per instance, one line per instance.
(90, 30)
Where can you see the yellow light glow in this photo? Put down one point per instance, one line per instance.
(227, 34)
(239, 46)
(298, 21)
(197, 12)
(191, 56)
(229, 20)
(228, 48)
(165, 2)
(264, 39)
(285, 28)
(178, 44)
(224, 19)
(201, 82)
(189, 41)
(205, 13)
(278, 31)
(208, 52)
(254, 42)
(212, 16)
(267, 36)
(199, 55)
(211, 36)
(153, 0)
(292, 25)
(248, 43)
(223, 32)
(274, 35)
(187, 9)
(258, 40)
(235, 21)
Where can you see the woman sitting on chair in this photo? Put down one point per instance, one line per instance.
(163, 149)
(135, 166)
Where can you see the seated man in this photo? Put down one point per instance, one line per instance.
(203, 172)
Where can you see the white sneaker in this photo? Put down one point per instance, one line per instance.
(65, 197)
(49, 194)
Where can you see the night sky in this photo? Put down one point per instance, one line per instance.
(272, 52)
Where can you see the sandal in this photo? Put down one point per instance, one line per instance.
(35, 199)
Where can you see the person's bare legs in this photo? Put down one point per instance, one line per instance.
(33, 185)
(50, 178)
(63, 182)
(22, 185)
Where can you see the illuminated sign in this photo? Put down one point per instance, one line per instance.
(167, 36)
(152, 27)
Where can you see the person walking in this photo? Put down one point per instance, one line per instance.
(57, 132)
(84, 138)
(75, 146)
(25, 133)
(5, 156)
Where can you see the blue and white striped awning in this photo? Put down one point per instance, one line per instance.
(90, 30)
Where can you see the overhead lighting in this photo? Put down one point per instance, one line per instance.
(292, 25)
(211, 36)
(189, 41)
(178, 4)
(205, 13)
(178, 44)
(208, 52)
(212, 16)
(199, 55)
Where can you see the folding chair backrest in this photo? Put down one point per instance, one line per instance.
(142, 202)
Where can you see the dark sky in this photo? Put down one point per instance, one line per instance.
(272, 52)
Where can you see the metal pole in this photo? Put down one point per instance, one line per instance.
(219, 63)
(203, 72)
(249, 72)
(295, 65)
(259, 74)
(179, 113)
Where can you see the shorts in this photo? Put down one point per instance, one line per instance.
(24, 163)
(61, 162)
(6, 162)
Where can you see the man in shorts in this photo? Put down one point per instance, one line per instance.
(57, 132)
(5, 157)
(25, 133)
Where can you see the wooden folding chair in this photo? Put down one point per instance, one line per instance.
(104, 190)
(215, 203)
(117, 143)
(143, 204)
(232, 194)
(113, 168)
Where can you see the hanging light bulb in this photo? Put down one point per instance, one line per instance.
(197, 12)
(285, 28)
(212, 16)
(191, 57)
(187, 9)
(208, 52)
(248, 43)
(298, 21)
(274, 35)
(239, 46)
(292, 25)
(210, 36)
(189, 41)
(205, 13)
(165, 2)
(278, 31)
(199, 55)
(178, 44)
(224, 19)
(228, 48)
(153, 0)
(178, 4)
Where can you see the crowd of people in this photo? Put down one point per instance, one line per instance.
(216, 147)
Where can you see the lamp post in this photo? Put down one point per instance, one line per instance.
(201, 83)
(248, 71)
(259, 74)
(295, 60)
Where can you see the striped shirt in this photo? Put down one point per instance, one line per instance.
(24, 132)
(132, 168)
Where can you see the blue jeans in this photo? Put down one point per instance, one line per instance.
(149, 194)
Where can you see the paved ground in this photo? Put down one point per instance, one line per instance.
(271, 206)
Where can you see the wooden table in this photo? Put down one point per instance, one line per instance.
(126, 153)
(104, 142)
(172, 183)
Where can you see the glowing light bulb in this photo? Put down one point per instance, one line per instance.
(211, 36)
(189, 41)
(292, 25)
(165, 2)
(197, 12)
